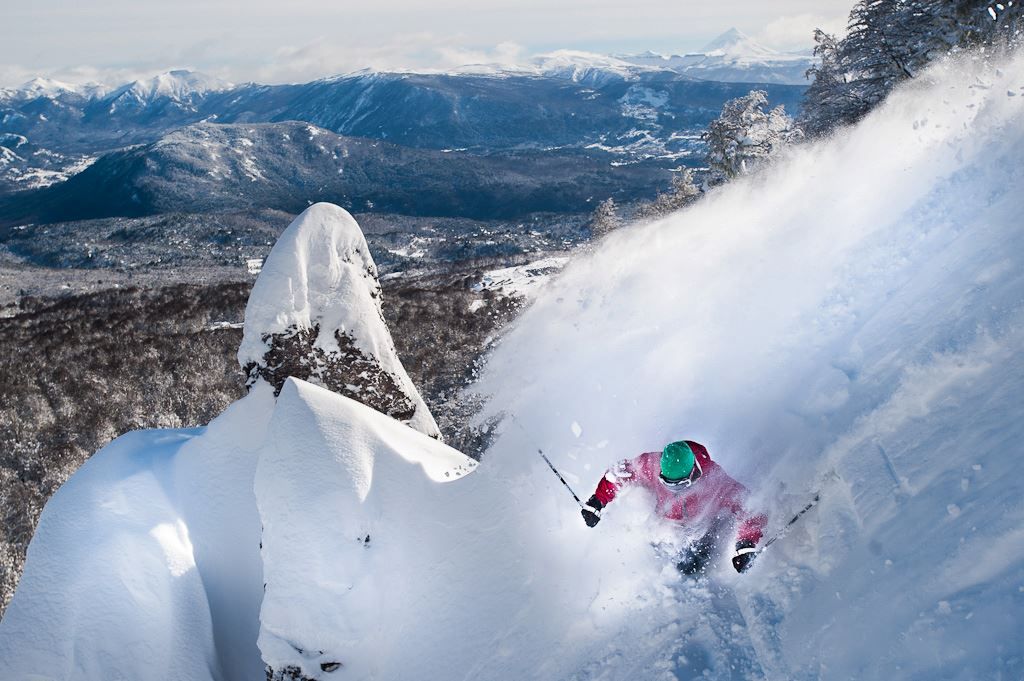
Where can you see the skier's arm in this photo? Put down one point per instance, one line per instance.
(617, 476)
(749, 534)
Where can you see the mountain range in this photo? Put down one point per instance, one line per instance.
(208, 167)
(566, 105)
(733, 57)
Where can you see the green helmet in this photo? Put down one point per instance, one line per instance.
(676, 461)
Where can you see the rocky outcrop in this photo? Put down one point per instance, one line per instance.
(348, 372)
(315, 314)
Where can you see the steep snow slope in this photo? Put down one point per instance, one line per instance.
(849, 321)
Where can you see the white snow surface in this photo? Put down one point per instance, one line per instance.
(521, 280)
(848, 321)
(320, 272)
(354, 540)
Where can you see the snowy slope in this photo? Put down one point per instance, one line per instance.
(849, 321)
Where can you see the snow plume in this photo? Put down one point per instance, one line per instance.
(315, 313)
(849, 320)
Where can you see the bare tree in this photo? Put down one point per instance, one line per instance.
(682, 192)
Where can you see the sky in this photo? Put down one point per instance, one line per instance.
(278, 41)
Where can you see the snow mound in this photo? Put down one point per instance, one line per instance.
(348, 499)
(145, 564)
(315, 313)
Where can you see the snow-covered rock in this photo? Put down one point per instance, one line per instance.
(315, 313)
(145, 564)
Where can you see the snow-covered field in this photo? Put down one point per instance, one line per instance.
(522, 280)
(848, 322)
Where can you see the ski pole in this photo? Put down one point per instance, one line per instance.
(782, 533)
(555, 471)
(548, 462)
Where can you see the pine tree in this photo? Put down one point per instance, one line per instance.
(891, 41)
(828, 99)
(745, 134)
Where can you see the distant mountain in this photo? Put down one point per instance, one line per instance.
(287, 166)
(736, 44)
(587, 68)
(565, 99)
(564, 104)
(183, 88)
(732, 57)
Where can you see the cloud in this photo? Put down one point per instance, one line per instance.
(278, 42)
(796, 31)
(318, 58)
(15, 75)
(418, 51)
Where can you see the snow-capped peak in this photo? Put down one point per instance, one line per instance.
(575, 65)
(732, 57)
(46, 87)
(52, 88)
(178, 85)
(736, 43)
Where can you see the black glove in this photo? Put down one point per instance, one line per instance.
(744, 556)
(592, 511)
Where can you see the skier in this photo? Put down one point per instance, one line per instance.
(690, 489)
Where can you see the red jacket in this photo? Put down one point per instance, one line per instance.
(713, 495)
